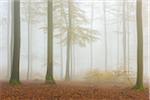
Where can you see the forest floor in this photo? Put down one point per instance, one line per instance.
(70, 91)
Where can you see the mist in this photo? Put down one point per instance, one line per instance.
(86, 57)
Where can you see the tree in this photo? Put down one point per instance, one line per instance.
(8, 42)
(139, 81)
(16, 47)
(61, 58)
(124, 34)
(128, 31)
(118, 36)
(75, 32)
(67, 77)
(49, 74)
(105, 32)
(29, 38)
(61, 46)
(70, 26)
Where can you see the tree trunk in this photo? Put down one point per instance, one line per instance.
(16, 47)
(128, 30)
(139, 81)
(73, 56)
(61, 46)
(68, 51)
(29, 37)
(118, 42)
(72, 61)
(105, 32)
(68, 58)
(9, 41)
(49, 74)
(61, 58)
(124, 36)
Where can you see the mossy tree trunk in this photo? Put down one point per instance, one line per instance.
(49, 74)
(16, 47)
(139, 81)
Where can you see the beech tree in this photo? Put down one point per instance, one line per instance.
(124, 35)
(49, 74)
(16, 47)
(139, 81)
(29, 38)
(105, 32)
(71, 30)
(76, 34)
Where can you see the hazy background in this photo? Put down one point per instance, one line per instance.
(34, 40)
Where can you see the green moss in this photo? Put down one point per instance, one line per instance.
(49, 79)
(14, 82)
(139, 87)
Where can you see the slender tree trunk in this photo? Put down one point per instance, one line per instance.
(139, 81)
(91, 44)
(124, 35)
(61, 57)
(67, 77)
(118, 65)
(128, 27)
(29, 37)
(61, 46)
(12, 34)
(68, 51)
(71, 62)
(8, 41)
(16, 47)
(67, 74)
(49, 74)
(118, 44)
(65, 19)
(105, 32)
(73, 56)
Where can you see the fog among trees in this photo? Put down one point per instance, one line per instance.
(76, 40)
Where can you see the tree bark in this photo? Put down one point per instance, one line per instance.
(128, 30)
(29, 37)
(139, 81)
(118, 38)
(124, 35)
(49, 74)
(61, 58)
(9, 40)
(68, 51)
(16, 47)
(105, 32)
